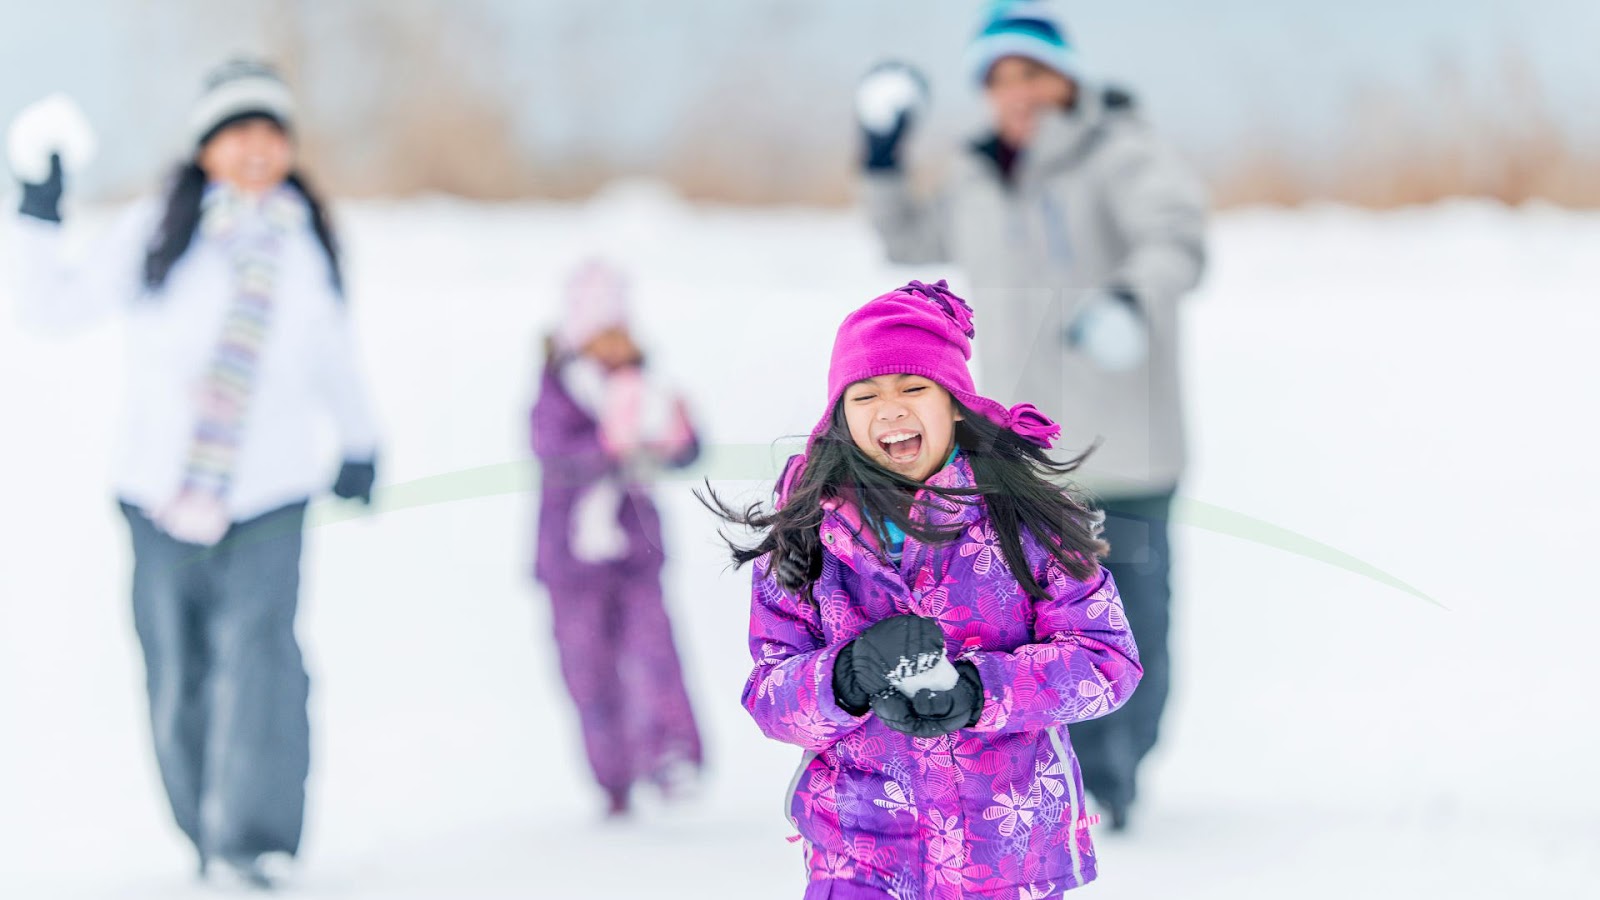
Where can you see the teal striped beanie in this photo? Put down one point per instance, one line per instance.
(1026, 28)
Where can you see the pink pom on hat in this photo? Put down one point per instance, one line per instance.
(596, 301)
(921, 329)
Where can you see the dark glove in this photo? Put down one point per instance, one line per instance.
(881, 150)
(959, 707)
(355, 480)
(43, 201)
(847, 691)
(896, 647)
(881, 142)
(894, 710)
(932, 714)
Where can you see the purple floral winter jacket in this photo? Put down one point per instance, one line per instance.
(993, 811)
(566, 439)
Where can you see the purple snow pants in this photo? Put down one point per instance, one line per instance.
(621, 667)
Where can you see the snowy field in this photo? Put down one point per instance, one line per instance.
(1414, 389)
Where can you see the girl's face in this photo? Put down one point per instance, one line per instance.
(253, 156)
(613, 348)
(905, 423)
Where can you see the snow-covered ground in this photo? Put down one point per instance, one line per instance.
(1414, 389)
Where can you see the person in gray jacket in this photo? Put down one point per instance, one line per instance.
(1079, 230)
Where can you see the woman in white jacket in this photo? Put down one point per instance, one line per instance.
(239, 348)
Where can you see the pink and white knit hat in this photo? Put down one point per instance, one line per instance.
(596, 301)
(921, 329)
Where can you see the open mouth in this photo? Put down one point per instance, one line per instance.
(901, 446)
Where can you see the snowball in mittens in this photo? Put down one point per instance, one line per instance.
(887, 91)
(931, 674)
(55, 124)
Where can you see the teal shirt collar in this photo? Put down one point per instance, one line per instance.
(897, 537)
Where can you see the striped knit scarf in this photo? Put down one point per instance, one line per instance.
(251, 231)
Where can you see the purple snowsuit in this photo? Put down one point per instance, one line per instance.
(993, 811)
(611, 626)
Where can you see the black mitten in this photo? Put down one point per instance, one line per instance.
(959, 707)
(355, 480)
(893, 649)
(881, 150)
(847, 690)
(932, 714)
(43, 201)
(894, 710)
(887, 100)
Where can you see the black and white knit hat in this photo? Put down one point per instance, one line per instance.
(240, 89)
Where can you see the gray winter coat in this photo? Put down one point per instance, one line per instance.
(1096, 201)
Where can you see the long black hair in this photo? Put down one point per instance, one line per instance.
(181, 219)
(1012, 479)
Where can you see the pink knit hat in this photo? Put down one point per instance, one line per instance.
(921, 329)
(596, 301)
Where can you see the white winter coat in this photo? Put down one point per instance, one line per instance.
(308, 373)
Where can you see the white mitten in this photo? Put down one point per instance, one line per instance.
(597, 536)
(1109, 330)
(887, 91)
(194, 518)
(585, 381)
(55, 124)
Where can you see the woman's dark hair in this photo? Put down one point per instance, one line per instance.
(1012, 479)
(181, 219)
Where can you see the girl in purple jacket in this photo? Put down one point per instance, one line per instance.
(602, 425)
(929, 618)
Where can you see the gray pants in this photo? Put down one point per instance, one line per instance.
(1110, 748)
(227, 686)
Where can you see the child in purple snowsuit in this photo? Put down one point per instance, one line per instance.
(929, 618)
(601, 425)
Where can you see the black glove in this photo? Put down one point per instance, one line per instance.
(959, 707)
(881, 148)
(847, 691)
(932, 714)
(43, 201)
(899, 646)
(894, 710)
(355, 480)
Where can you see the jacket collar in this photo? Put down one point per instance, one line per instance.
(1063, 136)
(846, 536)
